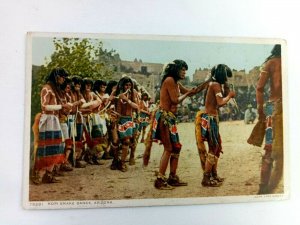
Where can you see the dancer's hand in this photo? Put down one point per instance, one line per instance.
(231, 94)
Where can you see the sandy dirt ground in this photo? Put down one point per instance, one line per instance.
(239, 165)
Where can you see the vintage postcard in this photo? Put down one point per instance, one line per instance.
(118, 120)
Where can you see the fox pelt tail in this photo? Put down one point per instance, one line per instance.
(148, 142)
(257, 135)
(200, 144)
(35, 130)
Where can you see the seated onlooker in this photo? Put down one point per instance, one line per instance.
(250, 115)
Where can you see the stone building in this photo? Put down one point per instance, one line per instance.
(239, 77)
(138, 66)
(200, 75)
(146, 74)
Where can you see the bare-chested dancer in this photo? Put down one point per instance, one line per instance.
(164, 124)
(125, 104)
(271, 73)
(144, 115)
(207, 124)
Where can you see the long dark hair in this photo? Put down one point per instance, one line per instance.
(120, 87)
(220, 72)
(110, 86)
(76, 80)
(86, 81)
(97, 85)
(67, 81)
(54, 73)
(51, 80)
(275, 52)
(172, 69)
(145, 94)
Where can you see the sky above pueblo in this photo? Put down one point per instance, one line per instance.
(197, 53)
